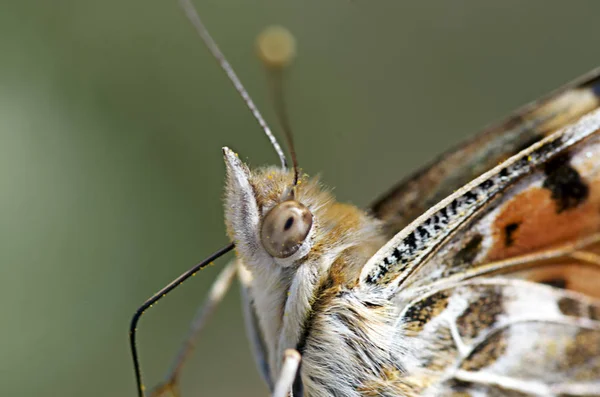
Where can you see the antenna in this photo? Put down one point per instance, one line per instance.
(192, 14)
(277, 48)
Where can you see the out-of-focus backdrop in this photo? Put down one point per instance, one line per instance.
(112, 119)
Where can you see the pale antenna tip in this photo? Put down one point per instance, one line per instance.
(276, 47)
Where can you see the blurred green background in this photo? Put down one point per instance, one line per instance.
(112, 119)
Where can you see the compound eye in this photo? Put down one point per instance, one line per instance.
(285, 228)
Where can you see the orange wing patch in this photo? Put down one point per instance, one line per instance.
(568, 274)
(558, 204)
(566, 207)
(537, 218)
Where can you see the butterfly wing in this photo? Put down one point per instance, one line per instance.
(543, 195)
(457, 167)
(543, 222)
(534, 216)
(504, 337)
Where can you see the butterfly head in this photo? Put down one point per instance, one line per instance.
(270, 218)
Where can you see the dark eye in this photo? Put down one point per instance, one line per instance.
(285, 228)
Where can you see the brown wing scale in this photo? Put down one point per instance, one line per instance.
(505, 337)
(457, 167)
(554, 205)
(463, 271)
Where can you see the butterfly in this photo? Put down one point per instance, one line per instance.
(479, 275)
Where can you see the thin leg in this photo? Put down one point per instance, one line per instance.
(255, 337)
(215, 296)
(291, 362)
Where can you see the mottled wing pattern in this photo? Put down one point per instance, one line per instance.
(505, 337)
(459, 166)
(555, 207)
(462, 271)
(551, 168)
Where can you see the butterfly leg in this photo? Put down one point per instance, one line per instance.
(287, 376)
(217, 291)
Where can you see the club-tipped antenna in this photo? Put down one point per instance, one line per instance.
(277, 49)
(192, 14)
(155, 298)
